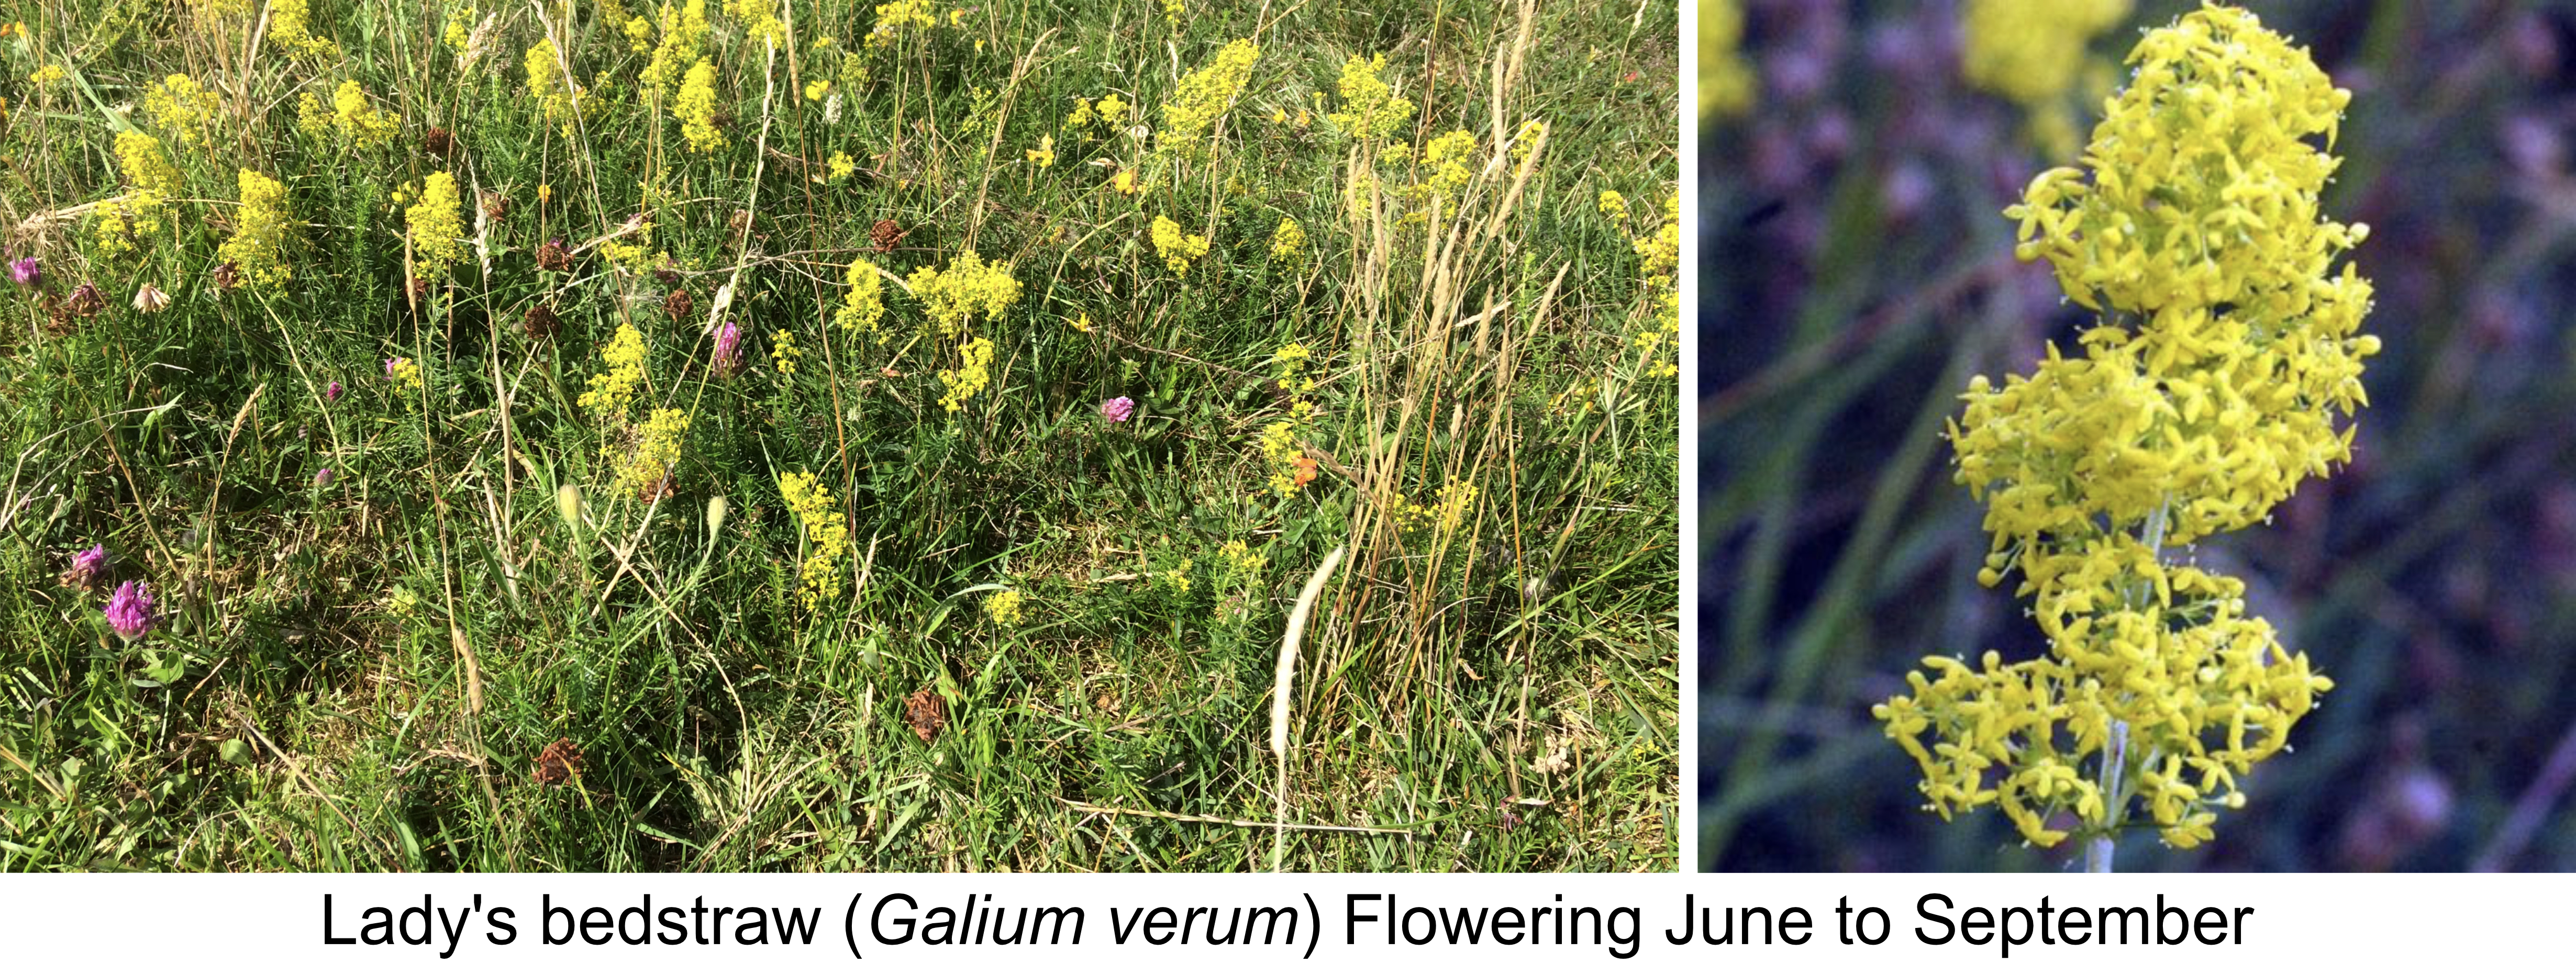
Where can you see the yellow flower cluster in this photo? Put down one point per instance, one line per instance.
(684, 31)
(1370, 109)
(840, 166)
(968, 378)
(894, 18)
(2029, 51)
(1003, 607)
(1240, 563)
(1177, 249)
(261, 232)
(437, 227)
(1203, 96)
(2227, 349)
(359, 121)
(1044, 154)
(1615, 207)
(48, 76)
(459, 33)
(560, 108)
(136, 215)
(178, 105)
(696, 108)
(826, 537)
(404, 372)
(1288, 243)
(646, 469)
(783, 353)
(1108, 112)
(863, 307)
(1659, 255)
(290, 33)
(610, 392)
(1290, 467)
(969, 284)
(1443, 513)
(1725, 80)
(759, 19)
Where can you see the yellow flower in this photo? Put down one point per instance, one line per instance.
(1726, 82)
(405, 373)
(817, 88)
(288, 31)
(612, 391)
(2029, 51)
(2209, 389)
(459, 34)
(840, 166)
(1614, 206)
(1176, 248)
(437, 227)
(967, 286)
(559, 107)
(826, 536)
(894, 18)
(696, 108)
(261, 233)
(1288, 243)
(684, 29)
(48, 76)
(863, 307)
(783, 352)
(177, 104)
(360, 122)
(1370, 109)
(1003, 607)
(970, 377)
(647, 468)
(1044, 154)
(1204, 95)
(760, 20)
(1124, 182)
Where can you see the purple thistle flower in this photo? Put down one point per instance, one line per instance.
(26, 272)
(129, 611)
(728, 349)
(323, 479)
(89, 568)
(1117, 410)
(332, 394)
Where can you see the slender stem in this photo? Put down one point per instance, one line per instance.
(2099, 849)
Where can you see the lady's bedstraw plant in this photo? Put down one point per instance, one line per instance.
(2227, 347)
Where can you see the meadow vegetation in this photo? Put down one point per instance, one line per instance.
(619, 436)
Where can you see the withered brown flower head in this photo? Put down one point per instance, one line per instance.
(438, 141)
(541, 322)
(495, 205)
(227, 275)
(677, 304)
(668, 275)
(551, 256)
(419, 288)
(85, 301)
(885, 235)
(926, 712)
(559, 763)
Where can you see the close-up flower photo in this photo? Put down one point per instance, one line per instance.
(2134, 436)
(665, 435)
